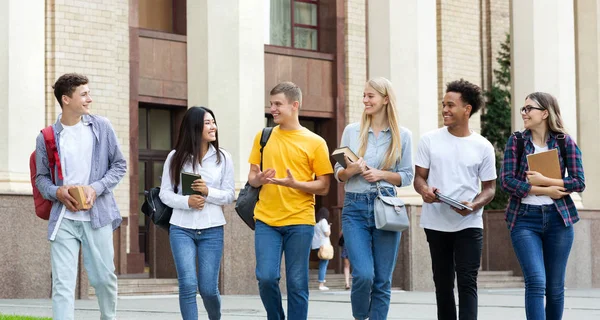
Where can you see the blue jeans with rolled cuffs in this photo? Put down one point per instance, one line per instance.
(204, 247)
(372, 253)
(542, 244)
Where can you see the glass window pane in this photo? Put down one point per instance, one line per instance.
(305, 13)
(157, 169)
(141, 217)
(160, 129)
(305, 38)
(141, 177)
(142, 129)
(280, 26)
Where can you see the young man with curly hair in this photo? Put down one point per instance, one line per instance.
(90, 157)
(454, 160)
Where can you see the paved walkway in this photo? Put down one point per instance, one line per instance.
(493, 304)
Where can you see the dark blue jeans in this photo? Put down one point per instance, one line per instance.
(542, 244)
(269, 245)
(372, 254)
(206, 248)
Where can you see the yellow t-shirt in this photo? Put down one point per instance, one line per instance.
(307, 156)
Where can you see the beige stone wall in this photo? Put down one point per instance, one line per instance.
(459, 46)
(356, 58)
(92, 37)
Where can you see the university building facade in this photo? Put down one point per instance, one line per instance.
(149, 60)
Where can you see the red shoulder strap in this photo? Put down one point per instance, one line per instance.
(53, 158)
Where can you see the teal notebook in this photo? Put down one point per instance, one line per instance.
(186, 183)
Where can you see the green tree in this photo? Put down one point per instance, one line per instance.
(496, 119)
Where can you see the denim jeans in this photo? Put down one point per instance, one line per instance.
(323, 270)
(542, 244)
(455, 253)
(98, 255)
(269, 244)
(205, 247)
(372, 254)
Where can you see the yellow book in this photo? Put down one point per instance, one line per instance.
(79, 195)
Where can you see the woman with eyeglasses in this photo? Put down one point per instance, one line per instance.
(541, 213)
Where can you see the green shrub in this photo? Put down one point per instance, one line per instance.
(496, 118)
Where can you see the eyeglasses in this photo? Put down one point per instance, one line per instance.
(527, 109)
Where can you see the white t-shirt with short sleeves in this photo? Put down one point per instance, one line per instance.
(457, 165)
(76, 147)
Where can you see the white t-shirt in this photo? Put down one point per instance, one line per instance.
(456, 166)
(321, 228)
(76, 147)
(542, 199)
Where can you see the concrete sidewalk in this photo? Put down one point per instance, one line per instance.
(493, 304)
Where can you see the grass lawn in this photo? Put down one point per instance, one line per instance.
(13, 317)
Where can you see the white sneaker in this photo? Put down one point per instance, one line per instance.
(323, 288)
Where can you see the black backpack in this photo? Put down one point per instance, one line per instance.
(521, 146)
(248, 197)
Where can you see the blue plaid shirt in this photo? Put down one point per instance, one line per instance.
(515, 182)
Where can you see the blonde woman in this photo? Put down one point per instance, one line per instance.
(384, 151)
(541, 213)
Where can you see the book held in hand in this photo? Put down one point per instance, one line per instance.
(79, 195)
(339, 153)
(187, 178)
(545, 163)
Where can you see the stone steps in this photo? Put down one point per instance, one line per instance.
(499, 279)
(142, 287)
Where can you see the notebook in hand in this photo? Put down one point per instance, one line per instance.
(451, 202)
(187, 178)
(545, 163)
(339, 153)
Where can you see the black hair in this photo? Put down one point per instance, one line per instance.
(469, 93)
(189, 141)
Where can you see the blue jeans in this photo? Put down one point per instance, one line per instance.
(372, 253)
(542, 244)
(269, 245)
(205, 247)
(322, 270)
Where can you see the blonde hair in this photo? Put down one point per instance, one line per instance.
(549, 102)
(383, 86)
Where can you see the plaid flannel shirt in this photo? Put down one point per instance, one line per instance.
(515, 182)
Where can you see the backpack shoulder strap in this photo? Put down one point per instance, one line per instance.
(520, 147)
(52, 151)
(264, 137)
(563, 149)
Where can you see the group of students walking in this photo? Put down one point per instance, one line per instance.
(291, 169)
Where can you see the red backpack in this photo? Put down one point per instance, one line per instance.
(43, 206)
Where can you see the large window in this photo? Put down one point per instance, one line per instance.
(293, 23)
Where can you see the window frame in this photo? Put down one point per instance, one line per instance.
(293, 25)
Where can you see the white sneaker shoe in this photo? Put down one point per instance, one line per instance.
(323, 288)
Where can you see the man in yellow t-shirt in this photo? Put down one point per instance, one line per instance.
(296, 167)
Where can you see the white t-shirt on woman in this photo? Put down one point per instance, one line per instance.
(321, 228)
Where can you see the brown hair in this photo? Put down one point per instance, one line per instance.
(290, 90)
(67, 84)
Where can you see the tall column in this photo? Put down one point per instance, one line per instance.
(588, 94)
(543, 56)
(22, 92)
(404, 51)
(226, 71)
